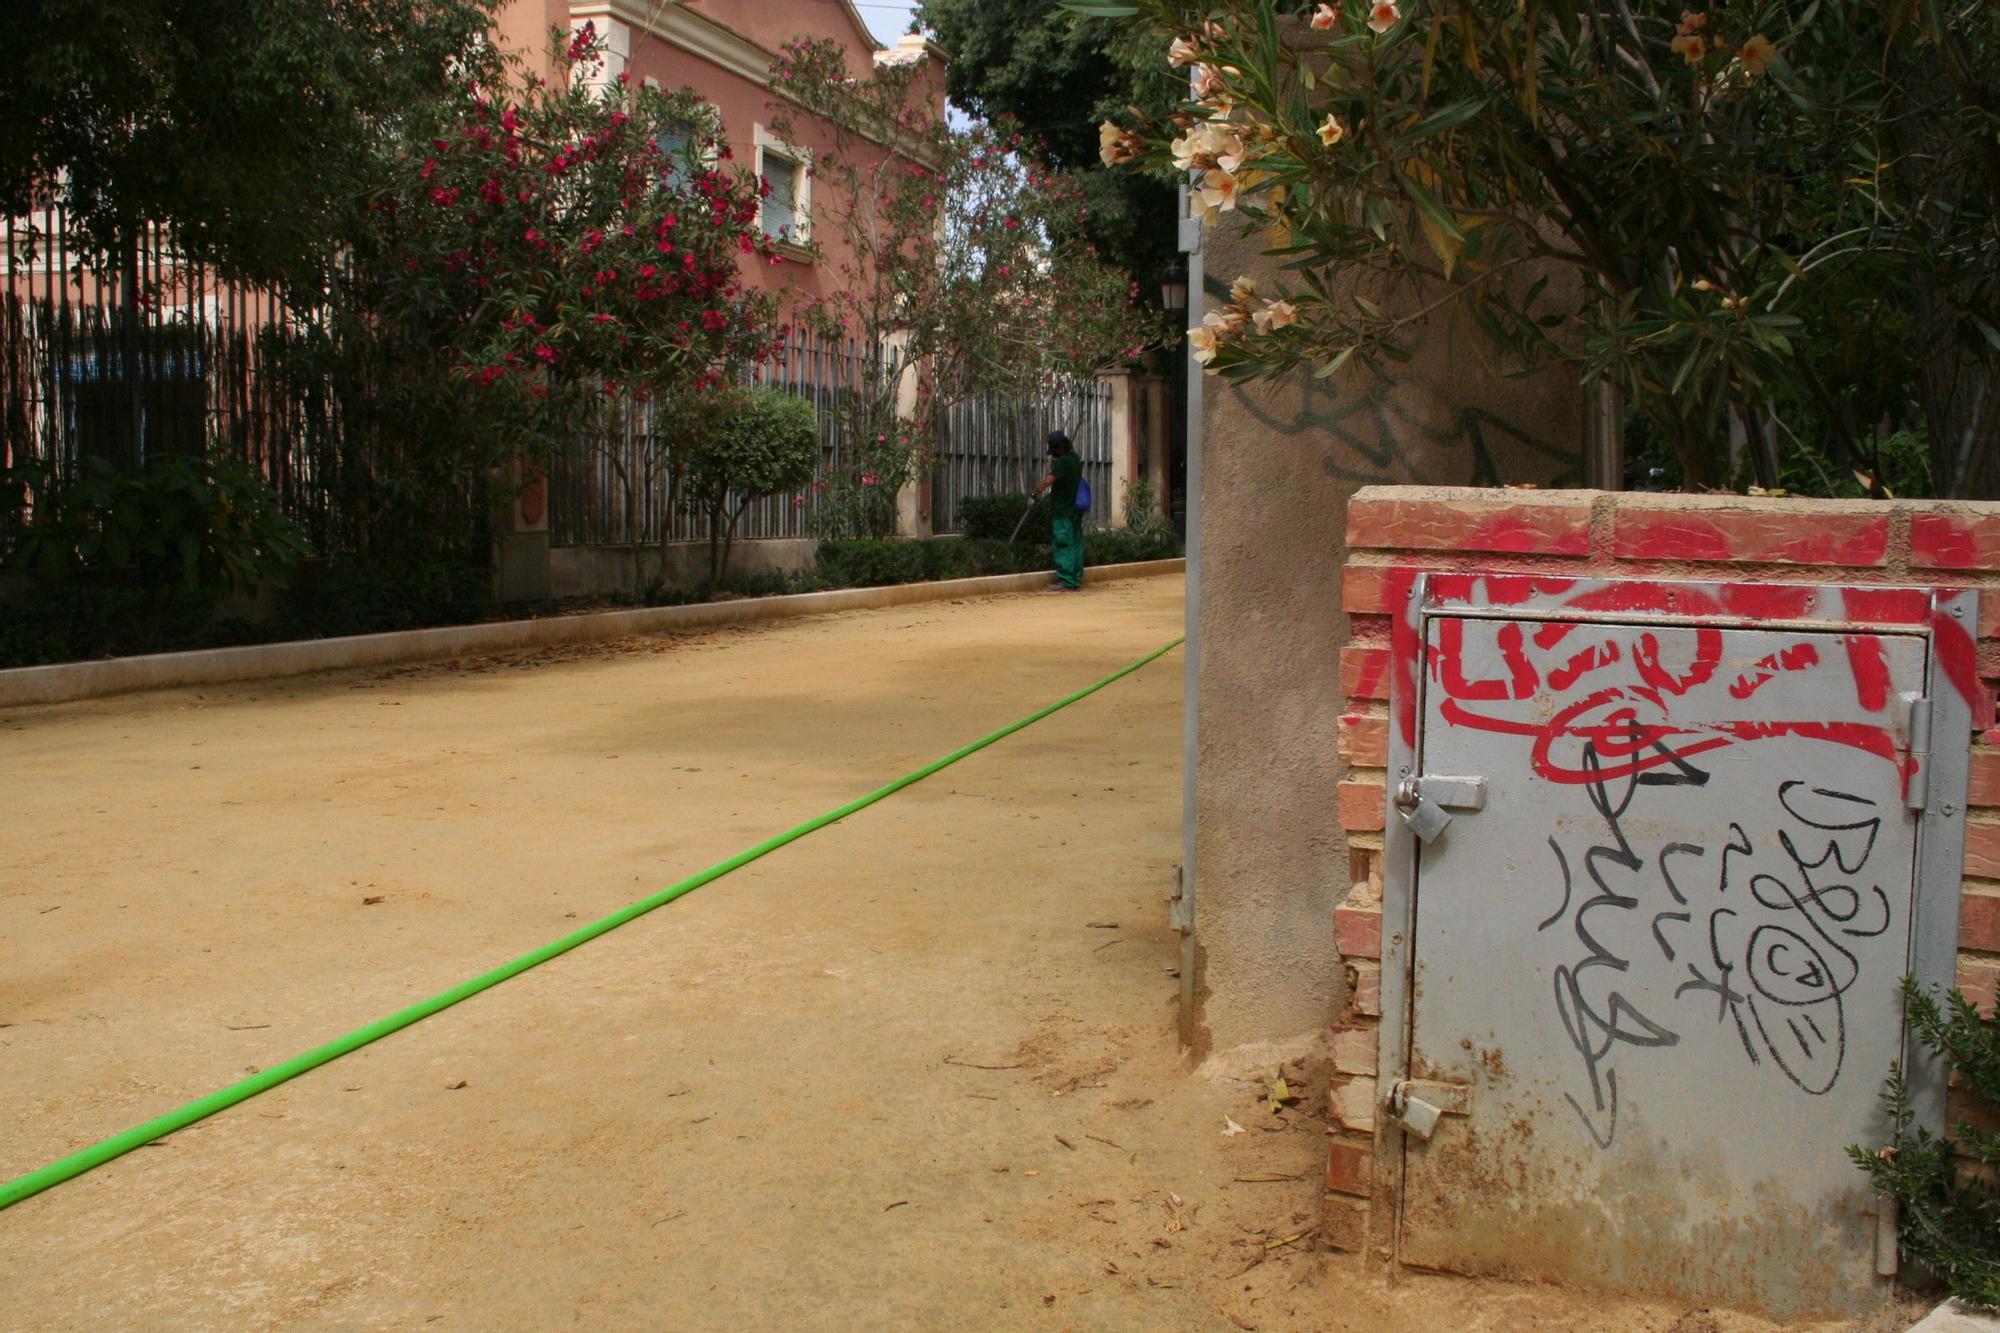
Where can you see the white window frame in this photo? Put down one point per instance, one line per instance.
(763, 141)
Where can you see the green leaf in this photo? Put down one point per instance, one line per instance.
(1428, 206)
(1333, 366)
(1446, 118)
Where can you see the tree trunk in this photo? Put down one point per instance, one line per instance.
(1956, 385)
(1956, 376)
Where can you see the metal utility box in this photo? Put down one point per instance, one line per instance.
(1659, 855)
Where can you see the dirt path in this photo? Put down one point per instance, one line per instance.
(915, 1071)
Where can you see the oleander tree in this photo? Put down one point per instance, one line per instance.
(539, 254)
(1758, 219)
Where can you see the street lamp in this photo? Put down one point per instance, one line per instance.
(1173, 288)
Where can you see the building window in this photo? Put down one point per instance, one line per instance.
(671, 139)
(784, 206)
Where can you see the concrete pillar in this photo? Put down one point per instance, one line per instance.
(913, 498)
(1124, 442)
(1152, 414)
(521, 535)
(1272, 465)
(617, 37)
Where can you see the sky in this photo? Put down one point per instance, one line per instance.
(887, 19)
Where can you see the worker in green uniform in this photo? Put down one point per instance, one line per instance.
(1065, 471)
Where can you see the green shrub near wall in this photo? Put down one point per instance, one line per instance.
(993, 518)
(873, 562)
(1119, 546)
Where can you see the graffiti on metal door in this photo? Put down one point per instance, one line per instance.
(1659, 914)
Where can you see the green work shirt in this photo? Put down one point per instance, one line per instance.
(1068, 471)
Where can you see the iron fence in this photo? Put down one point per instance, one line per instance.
(991, 445)
(147, 354)
(140, 356)
(612, 486)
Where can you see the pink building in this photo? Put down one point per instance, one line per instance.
(723, 50)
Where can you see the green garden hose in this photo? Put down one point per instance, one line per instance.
(68, 1168)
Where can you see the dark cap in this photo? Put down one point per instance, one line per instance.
(1058, 441)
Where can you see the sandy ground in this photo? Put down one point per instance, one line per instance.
(915, 1071)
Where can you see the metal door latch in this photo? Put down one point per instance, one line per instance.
(1423, 802)
(1418, 1104)
(1417, 1116)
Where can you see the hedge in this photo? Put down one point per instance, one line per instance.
(993, 518)
(871, 562)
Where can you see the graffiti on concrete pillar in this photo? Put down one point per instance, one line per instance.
(1382, 433)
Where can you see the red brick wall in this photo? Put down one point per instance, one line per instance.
(1601, 535)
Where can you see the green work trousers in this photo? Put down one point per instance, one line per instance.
(1069, 550)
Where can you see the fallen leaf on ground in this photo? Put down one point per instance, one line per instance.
(1101, 925)
(1230, 1127)
(372, 899)
(1264, 1178)
(900, 1203)
(454, 1087)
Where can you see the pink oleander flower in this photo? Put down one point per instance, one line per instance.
(1115, 145)
(1325, 17)
(1756, 54)
(1275, 315)
(1384, 16)
(1331, 131)
(1203, 340)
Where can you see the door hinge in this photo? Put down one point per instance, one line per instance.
(1888, 1235)
(1917, 786)
(1424, 800)
(1180, 908)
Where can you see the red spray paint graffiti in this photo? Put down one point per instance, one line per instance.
(1618, 691)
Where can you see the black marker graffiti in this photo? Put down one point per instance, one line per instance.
(1776, 925)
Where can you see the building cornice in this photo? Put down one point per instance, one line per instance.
(697, 34)
(675, 24)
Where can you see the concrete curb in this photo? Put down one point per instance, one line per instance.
(69, 681)
(1951, 1317)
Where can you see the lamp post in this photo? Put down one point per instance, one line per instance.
(1173, 288)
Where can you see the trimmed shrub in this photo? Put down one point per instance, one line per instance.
(870, 562)
(747, 444)
(992, 518)
(1118, 546)
(335, 598)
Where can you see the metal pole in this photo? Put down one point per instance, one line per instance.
(1190, 244)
